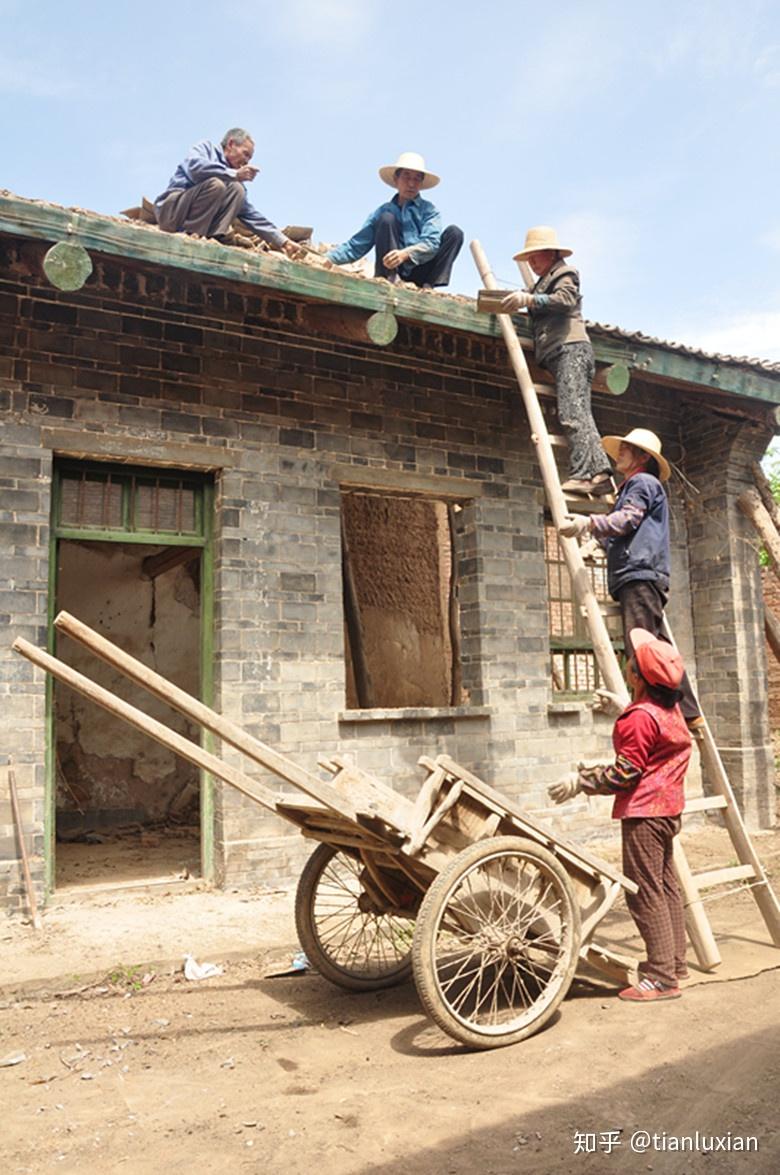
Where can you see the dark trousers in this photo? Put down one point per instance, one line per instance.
(657, 908)
(573, 368)
(435, 271)
(207, 209)
(642, 606)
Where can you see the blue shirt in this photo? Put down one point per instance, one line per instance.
(205, 162)
(420, 229)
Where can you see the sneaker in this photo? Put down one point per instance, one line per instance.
(595, 486)
(647, 990)
(683, 975)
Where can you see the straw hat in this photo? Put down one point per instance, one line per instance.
(411, 161)
(658, 661)
(642, 439)
(539, 238)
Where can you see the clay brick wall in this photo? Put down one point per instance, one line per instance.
(154, 360)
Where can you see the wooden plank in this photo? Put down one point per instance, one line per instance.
(710, 877)
(704, 804)
(228, 731)
(363, 684)
(167, 560)
(156, 730)
(749, 502)
(28, 885)
(545, 836)
(696, 921)
(767, 497)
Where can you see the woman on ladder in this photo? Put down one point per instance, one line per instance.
(562, 346)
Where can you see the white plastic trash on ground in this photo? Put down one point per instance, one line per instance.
(194, 970)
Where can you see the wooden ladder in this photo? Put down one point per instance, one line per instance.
(750, 868)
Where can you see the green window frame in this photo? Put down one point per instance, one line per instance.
(127, 503)
(574, 670)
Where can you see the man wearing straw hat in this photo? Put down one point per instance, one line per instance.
(636, 538)
(562, 346)
(406, 230)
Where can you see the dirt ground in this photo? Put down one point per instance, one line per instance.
(142, 1071)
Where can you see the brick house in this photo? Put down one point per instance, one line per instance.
(339, 543)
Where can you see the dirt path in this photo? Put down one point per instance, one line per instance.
(290, 1075)
(245, 1073)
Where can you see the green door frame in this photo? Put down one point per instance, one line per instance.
(204, 539)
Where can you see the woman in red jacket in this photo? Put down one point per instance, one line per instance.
(652, 751)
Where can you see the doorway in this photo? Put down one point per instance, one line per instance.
(131, 559)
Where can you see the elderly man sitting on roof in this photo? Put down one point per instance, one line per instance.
(406, 231)
(206, 193)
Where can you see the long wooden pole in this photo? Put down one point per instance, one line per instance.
(228, 731)
(751, 505)
(583, 591)
(28, 885)
(156, 730)
(717, 776)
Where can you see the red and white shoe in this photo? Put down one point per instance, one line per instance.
(646, 991)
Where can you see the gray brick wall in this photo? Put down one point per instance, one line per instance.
(153, 359)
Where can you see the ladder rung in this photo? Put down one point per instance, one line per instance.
(721, 876)
(558, 442)
(704, 804)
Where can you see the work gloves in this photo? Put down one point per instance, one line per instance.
(605, 702)
(520, 300)
(574, 526)
(565, 789)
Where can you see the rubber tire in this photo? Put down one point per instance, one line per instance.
(316, 953)
(424, 944)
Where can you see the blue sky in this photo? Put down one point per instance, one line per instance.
(647, 133)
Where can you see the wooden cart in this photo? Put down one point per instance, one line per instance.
(490, 911)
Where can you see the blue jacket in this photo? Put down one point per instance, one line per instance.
(643, 553)
(420, 225)
(207, 161)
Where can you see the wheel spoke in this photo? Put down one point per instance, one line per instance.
(358, 942)
(504, 933)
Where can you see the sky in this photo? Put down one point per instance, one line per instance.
(645, 133)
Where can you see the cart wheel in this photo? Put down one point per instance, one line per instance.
(352, 947)
(496, 942)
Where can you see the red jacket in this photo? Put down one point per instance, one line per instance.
(657, 742)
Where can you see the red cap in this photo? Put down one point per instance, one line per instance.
(658, 661)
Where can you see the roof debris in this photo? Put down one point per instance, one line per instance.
(313, 256)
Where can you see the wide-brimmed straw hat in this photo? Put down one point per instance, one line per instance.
(659, 662)
(410, 161)
(540, 238)
(642, 439)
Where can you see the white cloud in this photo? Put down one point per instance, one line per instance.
(755, 335)
(35, 78)
(771, 239)
(338, 26)
(605, 247)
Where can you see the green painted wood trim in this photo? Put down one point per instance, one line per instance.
(50, 765)
(103, 235)
(208, 741)
(156, 538)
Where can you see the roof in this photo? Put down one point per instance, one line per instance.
(728, 374)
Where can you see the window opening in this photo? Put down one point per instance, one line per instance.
(401, 608)
(575, 671)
